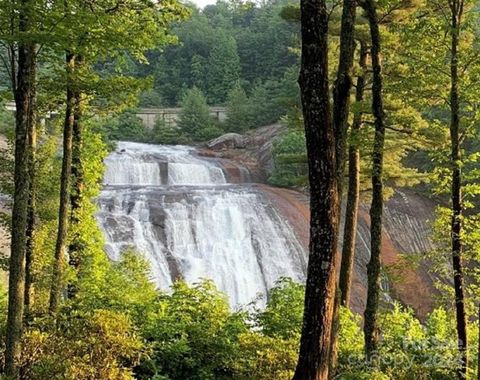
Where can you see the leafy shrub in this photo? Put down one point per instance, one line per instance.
(97, 345)
(150, 98)
(195, 119)
(125, 126)
(209, 133)
(264, 357)
(283, 314)
(407, 350)
(289, 153)
(168, 134)
(238, 112)
(7, 120)
(194, 335)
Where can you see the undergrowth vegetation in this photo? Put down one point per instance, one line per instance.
(190, 332)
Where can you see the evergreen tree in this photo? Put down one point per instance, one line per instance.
(238, 119)
(198, 66)
(195, 115)
(223, 69)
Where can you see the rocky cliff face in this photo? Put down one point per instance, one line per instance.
(407, 218)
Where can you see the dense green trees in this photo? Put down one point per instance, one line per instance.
(223, 68)
(102, 31)
(238, 117)
(221, 44)
(195, 119)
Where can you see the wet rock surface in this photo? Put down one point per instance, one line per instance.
(228, 141)
(255, 152)
(406, 233)
(407, 229)
(198, 216)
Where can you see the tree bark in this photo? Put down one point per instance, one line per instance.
(341, 106)
(63, 217)
(353, 195)
(456, 7)
(32, 212)
(25, 85)
(315, 342)
(77, 181)
(376, 209)
(343, 85)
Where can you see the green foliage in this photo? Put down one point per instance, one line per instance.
(220, 45)
(123, 287)
(283, 315)
(7, 123)
(195, 119)
(165, 133)
(238, 118)
(125, 126)
(408, 350)
(350, 341)
(290, 155)
(3, 305)
(7, 120)
(412, 351)
(264, 357)
(223, 68)
(101, 344)
(194, 334)
(150, 98)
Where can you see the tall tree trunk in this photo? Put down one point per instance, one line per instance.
(77, 180)
(456, 7)
(341, 106)
(25, 84)
(60, 247)
(376, 209)
(77, 143)
(32, 212)
(351, 213)
(315, 342)
(343, 85)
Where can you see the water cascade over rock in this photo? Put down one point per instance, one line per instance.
(182, 213)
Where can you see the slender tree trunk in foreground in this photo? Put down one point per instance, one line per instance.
(25, 85)
(343, 85)
(315, 342)
(341, 106)
(376, 209)
(351, 214)
(77, 143)
(77, 181)
(32, 212)
(60, 247)
(456, 7)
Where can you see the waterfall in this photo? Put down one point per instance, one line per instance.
(179, 211)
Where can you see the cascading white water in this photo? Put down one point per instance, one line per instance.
(178, 210)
